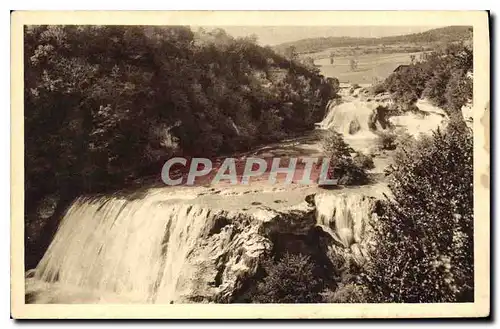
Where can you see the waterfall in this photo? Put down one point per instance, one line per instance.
(349, 118)
(133, 248)
(344, 216)
(158, 248)
(347, 218)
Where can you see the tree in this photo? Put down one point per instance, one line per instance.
(332, 57)
(335, 83)
(425, 235)
(253, 38)
(289, 280)
(353, 64)
(104, 103)
(458, 91)
(342, 166)
(309, 63)
(442, 77)
(291, 53)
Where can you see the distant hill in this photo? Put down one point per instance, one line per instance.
(439, 35)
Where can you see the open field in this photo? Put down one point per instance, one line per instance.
(378, 50)
(371, 67)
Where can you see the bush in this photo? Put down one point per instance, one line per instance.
(379, 89)
(425, 235)
(289, 280)
(458, 91)
(333, 144)
(347, 172)
(347, 293)
(406, 142)
(342, 165)
(363, 161)
(387, 140)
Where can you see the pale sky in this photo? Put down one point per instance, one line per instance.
(273, 35)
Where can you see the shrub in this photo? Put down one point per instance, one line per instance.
(347, 293)
(363, 161)
(425, 234)
(379, 88)
(387, 140)
(333, 144)
(458, 91)
(342, 166)
(407, 84)
(347, 172)
(435, 88)
(289, 280)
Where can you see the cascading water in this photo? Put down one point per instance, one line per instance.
(356, 116)
(343, 216)
(155, 249)
(131, 248)
(349, 118)
(347, 218)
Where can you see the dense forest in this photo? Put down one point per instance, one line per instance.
(440, 35)
(103, 102)
(106, 105)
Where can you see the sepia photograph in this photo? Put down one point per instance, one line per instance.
(195, 161)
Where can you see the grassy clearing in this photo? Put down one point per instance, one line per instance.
(371, 67)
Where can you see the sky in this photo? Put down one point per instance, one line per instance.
(273, 35)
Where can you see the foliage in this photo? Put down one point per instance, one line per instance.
(458, 91)
(353, 64)
(442, 76)
(407, 84)
(103, 103)
(335, 84)
(379, 88)
(291, 53)
(363, 161)
(425, 237)
(106, 105)
(347, 293)
(342, 166)
(347, 172)
(386, 140)
(334, 144)
(289, 280)
(348, 288)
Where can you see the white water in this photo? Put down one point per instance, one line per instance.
(113, 250)
(415, 124)
(343, 216)
(357, 111)
(345, 116)
(130, 248)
